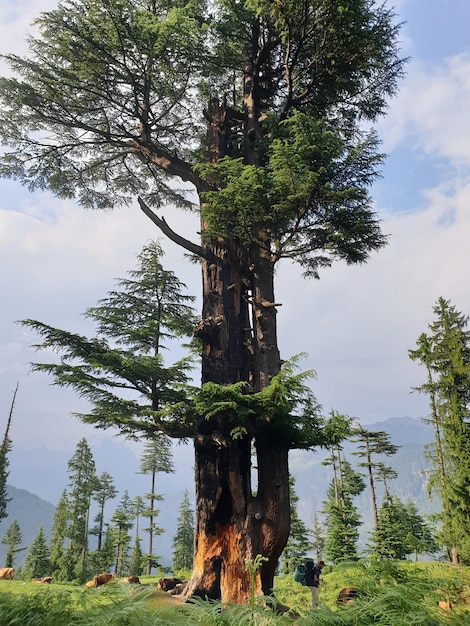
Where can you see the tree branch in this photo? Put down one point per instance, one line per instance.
(166, 230)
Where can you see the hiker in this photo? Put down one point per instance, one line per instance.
(312, 579)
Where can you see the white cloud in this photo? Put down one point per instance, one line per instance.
(430, 112)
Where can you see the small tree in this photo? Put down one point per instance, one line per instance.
(121, 523)
(12, 539)
(318, 541)
(37, 562)
(135, 563)
(183, 541)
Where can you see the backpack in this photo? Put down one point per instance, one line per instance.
(299, 574)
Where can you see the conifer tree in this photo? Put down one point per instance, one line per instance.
(135, 562)
(103, 491)
(318, 539)
(59, 534)
(370, 445)
(121, 524)
(445, 353)
(183, 541)
(12, 539)
(37, 562)
(82, 481)
(156, 457)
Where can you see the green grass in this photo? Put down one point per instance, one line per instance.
(391, 594)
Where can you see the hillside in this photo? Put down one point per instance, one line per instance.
(30, 512)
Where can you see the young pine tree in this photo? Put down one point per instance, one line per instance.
(59, 534)
(136, 559)
(121, 524)
(37, 562)
(183, 541)
(12, 539)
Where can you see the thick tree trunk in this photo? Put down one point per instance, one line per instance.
(235, 521)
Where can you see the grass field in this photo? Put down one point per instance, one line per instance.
(390, 593)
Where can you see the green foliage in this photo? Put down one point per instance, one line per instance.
(286, 407)
(298, 543)
(183, 540)
(37, 562)
(445, 353)
(12, 539)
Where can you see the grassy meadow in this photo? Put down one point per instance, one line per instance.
(390, 593)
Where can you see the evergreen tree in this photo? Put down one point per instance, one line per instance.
(82, 481)
(445, 353)
(183, 541)
(12, 539)
(5, 448)
(135, 324)
(156, 457)
(57, 553)
(298, 543)
(318, 542)
(121, 523)
(103, 491)
(37, 562)
(284, 91)
(342, 520)
(135, 562)
(106, 558)
(371, 444)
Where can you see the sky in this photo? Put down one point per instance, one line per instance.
(355, 325)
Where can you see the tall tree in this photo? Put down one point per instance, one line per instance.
(12, 539)
(103, 491)
(318, 541)
(82, 481)
(37, 563)
(57, 551)
(183, 541)
(370, 445)
(113, 103)
(136, 559)
(5, 449)
(445, 353)
(156, 457)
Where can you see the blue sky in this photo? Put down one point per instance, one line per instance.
(356, 324)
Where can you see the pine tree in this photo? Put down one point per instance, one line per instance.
(103, 491)
(57, 552)
(371, 444)
(445, 353)
(156, 457)
(183, 541)
(135, 563)
(318, 541)
(12, 539)
(298, 543)
(82, 482)
(121, 523)
(37, 562)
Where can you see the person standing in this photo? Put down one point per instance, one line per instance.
(312, 579)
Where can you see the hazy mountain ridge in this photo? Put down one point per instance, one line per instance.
(44, 472)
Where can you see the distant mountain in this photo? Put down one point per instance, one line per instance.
(44, 472)
(30, 512)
